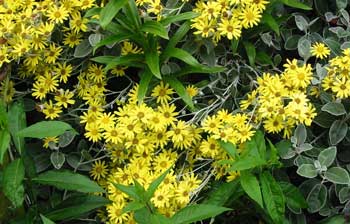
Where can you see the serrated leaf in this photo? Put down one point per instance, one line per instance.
(5, 139)
(155, 28)
(194, 213)
(68, 180)
(155, 184)
(75, 206)
(274, 200)
(337, 131)
(229, 148)
(45, 129)
(327, 156)
(12, 182)
(251, 186)
(16, 122)
(293, 196)
(133, 206)
(307, 170)
(110, 11)
(221, 194)
(337, 175)
(334, 108)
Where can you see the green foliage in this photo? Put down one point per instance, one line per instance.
(45, 129)
(67, 180)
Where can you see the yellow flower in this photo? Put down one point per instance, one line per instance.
(99, 170)
(113, 134)
(77, 23)
(63, 71)
(51, 110)
(39, 90)
(162, 197)
(64, 98)
(320, 50)
(50, 140)
(192, 90)
(162, 92)
(341, 87)
(52, 54)
(93, 132)
(231, 28)
(57, 14)
(250, 16)
(72, 39)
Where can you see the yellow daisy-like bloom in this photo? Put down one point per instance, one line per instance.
(58, 14)
(231, 28)
(99, 170)
(192, 90)
(341, 88)
(72, 39)
(64, 98)
(250, 16)
(49, 140)
(162, 92)
(320, 50)
(51, 110)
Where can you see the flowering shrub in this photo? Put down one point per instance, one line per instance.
(152, 111)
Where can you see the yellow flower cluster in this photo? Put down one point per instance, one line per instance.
(26, 28)
(338, 79)
(225, 127)
(226, 18)
(143, 142)
(280, 101)
(152, 7)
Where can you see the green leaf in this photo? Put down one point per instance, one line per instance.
(145, 79)
(263, 58)
(110, 11)
(327, 156)
(46, 220)
(194, 213)
(129, 190)
(116, 38)
(293, 196)
(336, 219)
(251, 186)
(246, 163)
(304, 46)
(152, 59)
(337, 131)
(45, 129)
(16, 122)
(155, 184)
(220, 195)
(341, 4)
(292, 42)
(180, 17)
(68, 180)
(300, 134)
(5, 139)
(273, 197)
(229, 148)
(296, 4)
(182, 55)
(12, 182)
(180, 90)
(234, 45)
(132, 12)
(133, 206)
(317, 198)
(155, 28)
(334, 108)
(251, 53)
(75, 206)
(271, 22)
(307, 170)
(333, 45)
(57, 159)
(83, 49)
(337, 175)
(178, 35)
(3, 114)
